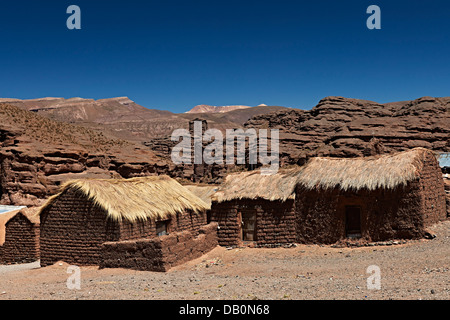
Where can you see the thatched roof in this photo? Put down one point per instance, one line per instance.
(370, 173)
(204, 192)
(156, 197)
(254, 185)
(378, 172)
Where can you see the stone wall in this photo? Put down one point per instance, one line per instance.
(159, 253)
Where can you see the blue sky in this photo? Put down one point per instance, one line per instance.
(173, 55)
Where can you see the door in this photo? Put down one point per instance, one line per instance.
(353, 222)
(248, 225)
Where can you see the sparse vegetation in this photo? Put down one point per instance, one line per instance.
(45, 130)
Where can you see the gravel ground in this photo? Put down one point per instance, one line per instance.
(416, 270)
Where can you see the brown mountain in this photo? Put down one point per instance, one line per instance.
(123, 118)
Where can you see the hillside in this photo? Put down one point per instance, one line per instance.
(124, 119)
(38, 154)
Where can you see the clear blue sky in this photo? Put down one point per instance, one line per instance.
(174, 55)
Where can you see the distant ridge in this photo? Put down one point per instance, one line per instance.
(203, 108)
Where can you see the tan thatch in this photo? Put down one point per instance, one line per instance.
(385, 172)
(204, 192)
(158, 197)
(254, 185)
(378, 172)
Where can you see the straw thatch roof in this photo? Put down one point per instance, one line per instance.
(380, 172)
(156, 197)
(204, 192)
(254, 185)
(370, 173)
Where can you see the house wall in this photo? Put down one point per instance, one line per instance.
(73, 230)
(21, 241)
(275, 221)
(159, 253)
(433, 191)
(225, 214)
(401, 213)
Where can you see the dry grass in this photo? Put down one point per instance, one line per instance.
(381, 172)
(158, 197)
(370, 173)
(254, 185)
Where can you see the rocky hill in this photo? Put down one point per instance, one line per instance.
(124, 119)
(341, 127)
(37, 154)
(118, 138)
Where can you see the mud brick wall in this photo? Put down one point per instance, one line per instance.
(225, 214)
(385, 214)
(21, 241)
(73, 229)
(189, 222)
(275, 221)
(159, 253)
(433, 192)
(147, 229)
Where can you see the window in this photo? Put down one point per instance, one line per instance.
(161, 228)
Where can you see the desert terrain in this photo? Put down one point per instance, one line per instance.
(410, 270)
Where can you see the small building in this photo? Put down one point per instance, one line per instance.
(77, 222)
(20, 243)
(394, 196)
(254, 208)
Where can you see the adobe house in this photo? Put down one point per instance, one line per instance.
(393, 196)
(86, 214)
(20, 243)
(253, 208)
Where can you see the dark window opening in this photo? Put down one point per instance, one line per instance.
(353, 222)
(161, 228)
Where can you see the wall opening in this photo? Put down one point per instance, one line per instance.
(353, 222)
(248, 225)
(161, 228)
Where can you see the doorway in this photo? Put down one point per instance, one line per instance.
(353, 222)
(248, 226)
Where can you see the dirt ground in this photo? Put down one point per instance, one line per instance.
(419, 269)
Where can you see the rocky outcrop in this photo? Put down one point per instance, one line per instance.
(37, 155)
(340, 127)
